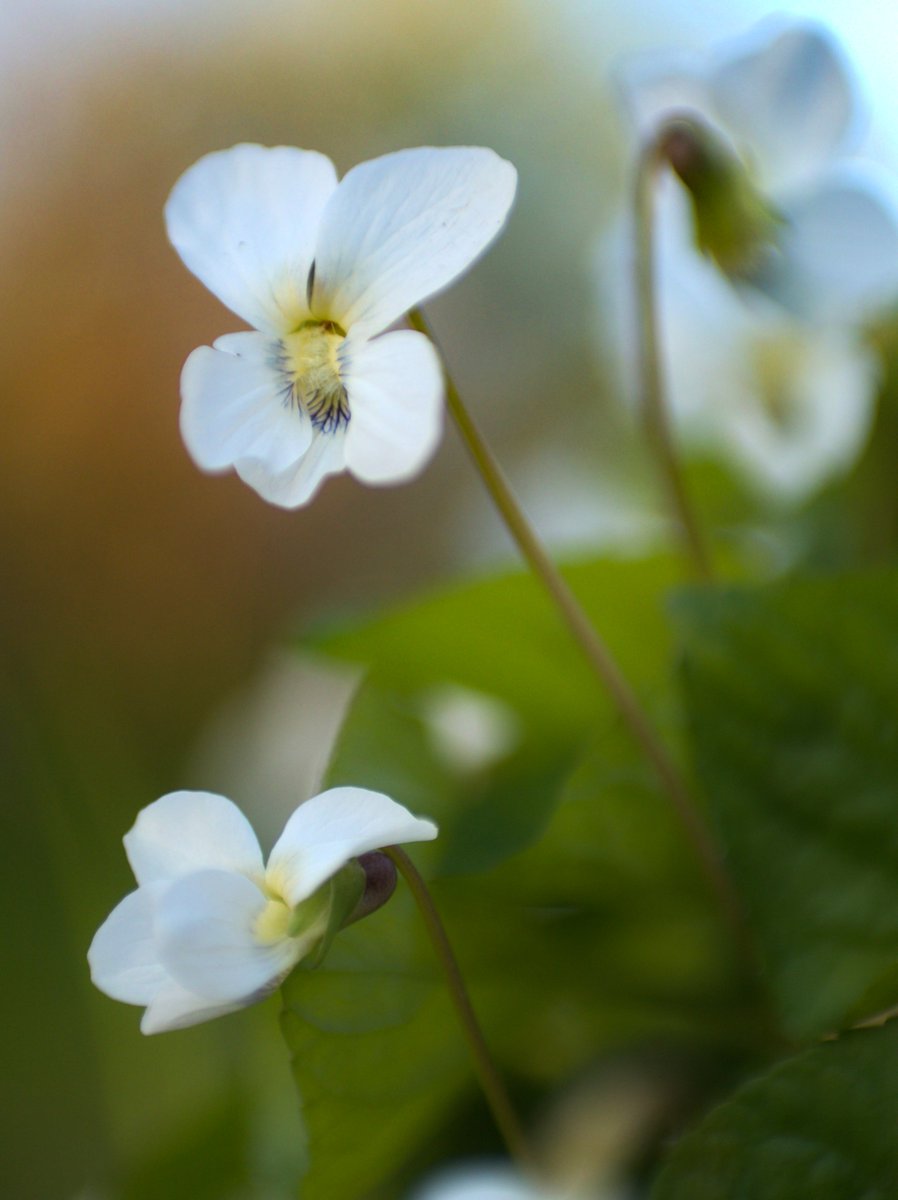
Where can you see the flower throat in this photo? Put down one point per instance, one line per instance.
(309, 361)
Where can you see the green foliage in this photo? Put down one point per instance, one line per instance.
(792, 699)
(820, 1126)
(579, 915)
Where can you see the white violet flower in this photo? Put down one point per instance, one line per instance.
(211, 928)
(783, 97)
(320, 270)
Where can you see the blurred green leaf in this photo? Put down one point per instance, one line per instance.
(820, 1126)
(501, 636)
(792, 697)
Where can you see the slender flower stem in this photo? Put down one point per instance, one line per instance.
(490, 1080)
(653, 406)
(597, 654)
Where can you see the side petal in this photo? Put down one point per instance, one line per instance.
(787, 98)
(838, 254)
(236, 404)
(328, 830)
(124, 962)
(191, 831)
(205, 930)
(402, 227)
(395, 390)
(173, 1007)
(245, 221)
(297, 484)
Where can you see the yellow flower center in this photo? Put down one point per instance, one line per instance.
(309, 361)
(273, 922)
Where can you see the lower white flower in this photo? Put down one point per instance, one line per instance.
(211, 928)
(320, 270)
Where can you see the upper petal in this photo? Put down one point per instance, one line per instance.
(657, 86)
(236, 404)
(124, 961)
(245, 221)
(190, 831)
(787, 97)
(395, 389)
(328, 830)
(205, 931)
(401, 227)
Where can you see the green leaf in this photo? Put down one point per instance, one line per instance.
(792, 698)
(821, 1126)
(376, 1052)
(501, 636)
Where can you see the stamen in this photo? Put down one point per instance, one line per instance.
(308, 362)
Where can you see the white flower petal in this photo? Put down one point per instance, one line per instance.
(655, 87)
(395, 390)
(807, 422)
(328, 830)
(482, 1182)
(205, 931)
(191, 831)
(838, 255)
(402, 227)
(787, 99)
(245, 221)
(173, 1007)
(297, 484)
(234, 406)
(124, 962)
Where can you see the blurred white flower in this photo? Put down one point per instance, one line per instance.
(783, 97)
(211, 928)
(786, 401)
(490, 1181)
(318, 269)
(771, 372)
(468, 729)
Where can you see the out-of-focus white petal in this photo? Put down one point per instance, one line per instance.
(297, 484)
(191, 831)
(482, 1182)
(787, 98)
(173, 1007)
(124, 962)
(838, 255)
(245, 221)
(804, 417)
(234, 406)
(328, 830)
(401, 227)
(655, 87)
(395, 389)
(205, 931)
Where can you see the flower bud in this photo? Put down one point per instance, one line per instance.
(735, 224)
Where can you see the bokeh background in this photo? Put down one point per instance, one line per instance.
(144, 606)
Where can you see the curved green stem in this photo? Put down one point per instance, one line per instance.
(596, 652)
(652, 402)
(490, 1080)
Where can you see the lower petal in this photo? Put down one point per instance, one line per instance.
(205, 930)
(236, 404)
(395, 389)
(173, 1007)
(295, 486)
